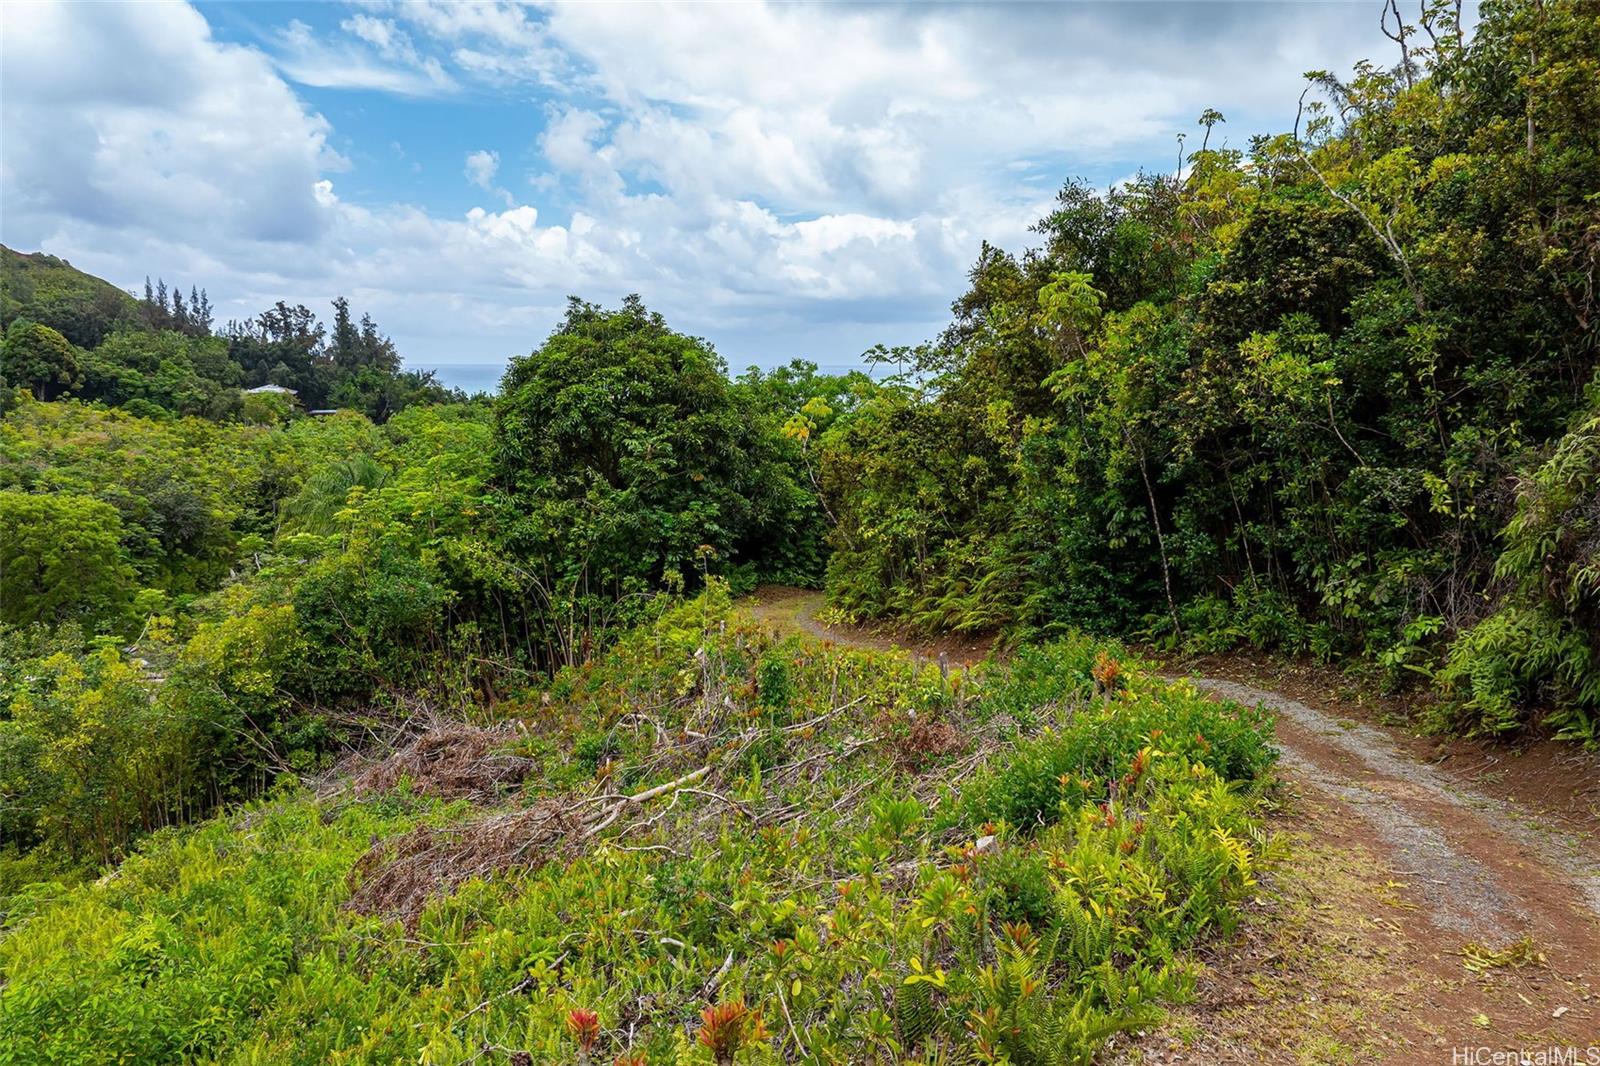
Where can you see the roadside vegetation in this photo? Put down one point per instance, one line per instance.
(706, 844)
(1332, 393)
(424, 728)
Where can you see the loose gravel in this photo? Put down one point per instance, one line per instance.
(1383, 786)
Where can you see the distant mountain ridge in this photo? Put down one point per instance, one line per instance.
(71, 335)
(51, 291)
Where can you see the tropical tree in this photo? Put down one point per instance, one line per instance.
(619, 451)
(40, 359)
(61, 560)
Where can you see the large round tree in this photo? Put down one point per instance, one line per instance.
(621, 455)
(40, 359)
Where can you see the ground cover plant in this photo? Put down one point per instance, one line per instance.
(708, 844)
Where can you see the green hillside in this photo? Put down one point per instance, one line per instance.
(70, 335)
(50, 291)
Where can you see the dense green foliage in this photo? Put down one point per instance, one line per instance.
(803, 876)
(626, 461)
(237, 558)
(1277, 399)
(1538, 645)
(288, 588)
(41, 288)
(184, 491)
(41, 359)
(60, 560)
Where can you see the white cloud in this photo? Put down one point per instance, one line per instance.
(819, 108)
(133, 119)
(771, 176)
(481, 167)
(385, 59)
(391, 43)
(502, 42)
(480, 171)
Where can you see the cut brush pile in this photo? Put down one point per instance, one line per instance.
(449, 760)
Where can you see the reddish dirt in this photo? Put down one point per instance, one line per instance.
(1339, 963)
(1557, 781)
(1407, 858)
(1400, 870)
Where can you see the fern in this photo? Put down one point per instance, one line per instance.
(916, 1016)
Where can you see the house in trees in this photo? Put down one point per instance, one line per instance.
(269, 404)
(276, 390)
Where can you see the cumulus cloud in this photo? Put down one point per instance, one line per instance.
(490, 39)
(891, 108)
(190, 135)
(481, 167)
(784, 179)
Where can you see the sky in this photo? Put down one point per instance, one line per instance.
(784, 180)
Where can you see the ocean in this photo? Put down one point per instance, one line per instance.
(485, 377)
(470, 377)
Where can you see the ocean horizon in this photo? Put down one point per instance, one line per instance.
(470, 377)
(485, 377)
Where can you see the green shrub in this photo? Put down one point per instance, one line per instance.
(1020, 889)
(1041, 680)
(194, 936)
(1520, 657)
(1095, 743)
(772, 681)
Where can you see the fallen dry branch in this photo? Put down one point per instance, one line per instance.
(398, 877)
(451, 760)
(625, 802)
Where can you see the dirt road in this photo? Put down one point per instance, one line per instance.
(1417, 918)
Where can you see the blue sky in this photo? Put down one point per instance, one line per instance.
(785, 180)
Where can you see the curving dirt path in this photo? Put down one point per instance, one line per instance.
(1476, 857)
(1416, 918)
(798, 611)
